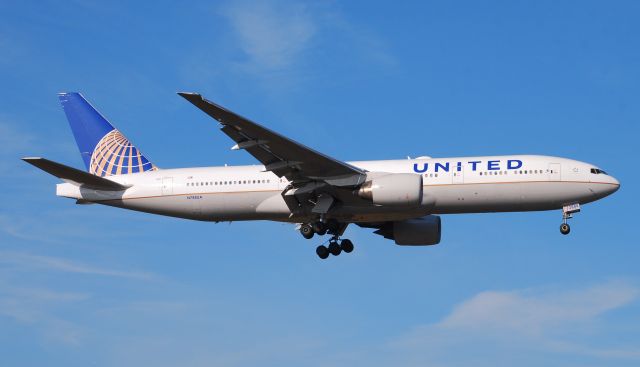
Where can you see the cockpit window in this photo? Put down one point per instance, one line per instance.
(597, 171)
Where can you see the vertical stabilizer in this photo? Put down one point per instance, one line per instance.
(104, 150)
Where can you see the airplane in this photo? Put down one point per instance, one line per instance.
(401, 199)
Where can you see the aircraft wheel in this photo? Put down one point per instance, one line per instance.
(565, 229)
(334, 249)
(306, 231)
(322, 252)
(347, 246)
(319, 228)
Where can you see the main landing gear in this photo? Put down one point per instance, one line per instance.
(567, 213)
(336, 246)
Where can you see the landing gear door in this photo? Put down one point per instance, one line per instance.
(554, 172)
(167, 185)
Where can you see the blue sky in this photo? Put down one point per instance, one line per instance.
(92, 285)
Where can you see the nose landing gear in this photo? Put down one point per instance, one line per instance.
(567, 213)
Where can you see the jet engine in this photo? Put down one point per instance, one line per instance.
(394, 189)
(423, 231)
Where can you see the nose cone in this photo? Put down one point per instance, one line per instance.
(612, 185)
(615, 183)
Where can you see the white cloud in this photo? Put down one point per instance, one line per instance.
(531, 313)
(271, 34)
(12, 139)
(13, 143)
(25, 260)
(33, 307)
(283, 44)
(548, 321)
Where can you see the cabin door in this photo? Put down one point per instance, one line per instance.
(167, 186)
(457, 176)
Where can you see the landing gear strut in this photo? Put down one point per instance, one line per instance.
(567, 213)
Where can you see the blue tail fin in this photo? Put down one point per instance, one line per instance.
(104, 150)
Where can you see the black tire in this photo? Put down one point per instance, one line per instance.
(347, 246)
(322, 252)
(334, 249)
(306, 231)
(565, 229)
(319, 228)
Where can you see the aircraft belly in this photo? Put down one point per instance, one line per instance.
(506, 197)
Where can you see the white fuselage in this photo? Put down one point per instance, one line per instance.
(450, 185)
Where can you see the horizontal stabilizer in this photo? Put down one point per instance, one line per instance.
(73, 175)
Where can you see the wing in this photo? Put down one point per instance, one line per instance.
(279, 154)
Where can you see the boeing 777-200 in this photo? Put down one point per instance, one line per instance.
(400, 199)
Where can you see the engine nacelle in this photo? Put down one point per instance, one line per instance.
(423, 231)
(394, 189)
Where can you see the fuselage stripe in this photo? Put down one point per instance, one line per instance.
(278, 190)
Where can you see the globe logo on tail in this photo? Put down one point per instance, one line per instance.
(115, 155)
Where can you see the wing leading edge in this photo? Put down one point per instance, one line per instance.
(279, 154)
